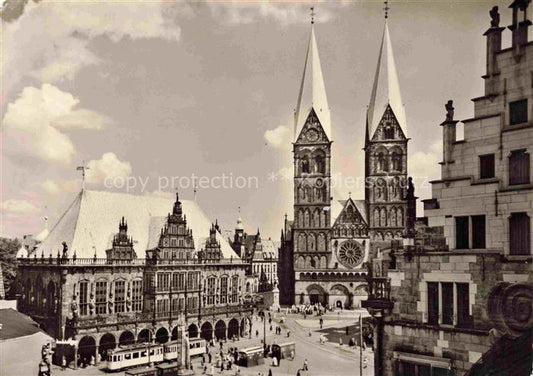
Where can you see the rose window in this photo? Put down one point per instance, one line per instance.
(350, 254)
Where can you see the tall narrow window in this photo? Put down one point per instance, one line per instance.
(447, 303)
(137, 295)
(518, 112)
(478, 231)
(433, 303)
(211, 290)
(519, 167)
(120, 296)
(486, 166)
(461, 233)
(463, 304)
(84, 287)
(101, 297)
(519, 234)
(224, 290)
(235, 289)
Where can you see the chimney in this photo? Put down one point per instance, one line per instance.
(494, 45)
(448, 138)
(519, 27)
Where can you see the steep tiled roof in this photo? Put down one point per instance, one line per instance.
(89, 223)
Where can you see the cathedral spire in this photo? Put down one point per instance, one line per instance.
(312, 94)
(386, 88)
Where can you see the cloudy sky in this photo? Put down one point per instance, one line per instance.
(152, 90)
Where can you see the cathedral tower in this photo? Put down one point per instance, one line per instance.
(312, 175)
(385, 152)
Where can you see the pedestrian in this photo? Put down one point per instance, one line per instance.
(347, 330)
(305, 367)
(270, 371)
(257, 333)
(203, 359)
(309, 332)
(210, 357)
(288, 333)
(270, 327)
(298, 373)
(205, 370)
(221, 366)
(340, 341)
(321, 322)
(63, 363)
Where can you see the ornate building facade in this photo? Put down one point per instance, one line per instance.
(261, 255)
(462, 305)
(99, 293)
(325, 245)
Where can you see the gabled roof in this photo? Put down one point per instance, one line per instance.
(386, 88)
(90, 222)
(312, 94)
(337, 206)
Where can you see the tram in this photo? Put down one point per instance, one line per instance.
(136, 355)
(197, 346)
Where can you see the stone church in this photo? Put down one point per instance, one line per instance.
(323, 249)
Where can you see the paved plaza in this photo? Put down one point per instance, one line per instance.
(329, 359)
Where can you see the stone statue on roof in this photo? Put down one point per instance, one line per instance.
(494, 17)
(65, 250)
(449, 110)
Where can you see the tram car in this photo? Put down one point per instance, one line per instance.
(197, 346)
(134, 355)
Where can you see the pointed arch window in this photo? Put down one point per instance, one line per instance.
(305, 164)
(382, 165)
(320, 164)
(388, 131)
(396, 161)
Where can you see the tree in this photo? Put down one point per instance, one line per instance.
(8, 261)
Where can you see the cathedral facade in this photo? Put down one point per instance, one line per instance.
(325, 246)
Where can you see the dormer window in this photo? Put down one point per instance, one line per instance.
(518, 112)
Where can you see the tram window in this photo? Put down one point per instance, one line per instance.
(143, 353)
(114, 358)
(152, 352)
(135, 355)
(127, 356)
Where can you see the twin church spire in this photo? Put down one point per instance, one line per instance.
(385, 88)
(312, 94)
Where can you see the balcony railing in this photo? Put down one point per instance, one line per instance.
(378, 294)
(74, 261)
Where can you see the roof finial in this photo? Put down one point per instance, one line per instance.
(386, 9)
(82, 168)
(312, 15)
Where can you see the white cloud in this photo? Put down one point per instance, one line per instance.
(284, 12)
(424, 164)
(51, 41)
(33, 120)
(14, 206)
(109, 166)
(278, 137)
(54, 188)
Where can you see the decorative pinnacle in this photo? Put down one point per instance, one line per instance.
(386, 9)
(312, 15)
